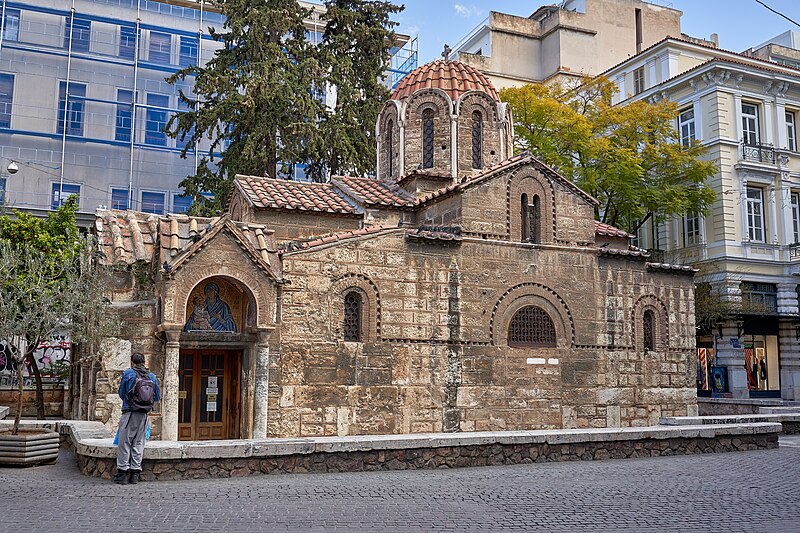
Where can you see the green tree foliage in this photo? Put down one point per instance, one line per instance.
(49, 280)
(354, 53)
(257, 100)
(55, 236)
(626, 156)
(253, 92)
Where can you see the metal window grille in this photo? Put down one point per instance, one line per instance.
(760, 296)
(477, 140)
(352, 317)
(532, 326)
(427, 138)
(649, 330)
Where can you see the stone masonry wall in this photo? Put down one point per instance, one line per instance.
(436, 357)
(291, 226)
(428, 458)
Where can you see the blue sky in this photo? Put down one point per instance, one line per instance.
(739, 23)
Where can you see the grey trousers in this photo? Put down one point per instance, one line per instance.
(132, 429)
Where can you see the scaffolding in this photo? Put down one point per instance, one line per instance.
(87, 100)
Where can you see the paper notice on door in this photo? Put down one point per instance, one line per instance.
(212, 390)
(212, 381)
(182, 395)
(212, 397)
(211, 406)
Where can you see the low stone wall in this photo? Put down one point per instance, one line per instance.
(426, 458)
(739, 406)
(165, 460)
(789, 421)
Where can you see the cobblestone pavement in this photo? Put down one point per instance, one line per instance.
(745, 491)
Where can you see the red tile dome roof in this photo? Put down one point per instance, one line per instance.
(452, 77)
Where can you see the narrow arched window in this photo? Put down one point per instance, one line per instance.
(531, 326)
(352, 317)
(389, 148)
(427, 138)
(477, 140)
(535, 213)
(649, 330)
(524, 220)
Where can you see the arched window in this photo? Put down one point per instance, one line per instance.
(352, 317)
(389, 148)
(477, 140)
(531, 219)
(649, 330)
(535, 213)
(532, 326)
(427, 138)
(525, 222)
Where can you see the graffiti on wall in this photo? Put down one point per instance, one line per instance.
(52, 357)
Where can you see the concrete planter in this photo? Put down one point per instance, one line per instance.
(29, 447)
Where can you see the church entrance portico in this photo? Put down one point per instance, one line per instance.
(215, 361)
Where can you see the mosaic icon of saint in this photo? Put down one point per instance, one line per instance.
(210, 314)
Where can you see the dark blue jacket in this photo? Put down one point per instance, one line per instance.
(125, 386)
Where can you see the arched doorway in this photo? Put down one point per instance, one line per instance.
(218, 311)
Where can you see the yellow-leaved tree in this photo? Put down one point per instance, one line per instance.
(627, 156)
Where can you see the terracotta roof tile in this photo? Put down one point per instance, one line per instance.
(294, 195)
(370, 191)
(295, 246)
(453, 77)
(436, 233)
(671, 268)
(128, 237)
(629, 253)
(610, 231)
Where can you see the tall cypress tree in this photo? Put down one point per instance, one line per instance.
(354, 52)
(256, 104)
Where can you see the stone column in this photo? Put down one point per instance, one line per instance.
(169, 389)
(454, 146)
(261, 385)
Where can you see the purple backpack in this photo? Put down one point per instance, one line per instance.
(142, 393)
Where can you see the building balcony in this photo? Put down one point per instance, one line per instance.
(759, 153)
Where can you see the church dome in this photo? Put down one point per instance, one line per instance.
(452, 77)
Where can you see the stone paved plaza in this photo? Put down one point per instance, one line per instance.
(745, 491)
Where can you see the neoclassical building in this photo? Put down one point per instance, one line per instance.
(462, 289)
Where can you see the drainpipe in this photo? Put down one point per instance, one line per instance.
(66, 102)
(133, 100)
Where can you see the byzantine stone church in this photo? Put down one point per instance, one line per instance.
(461, 289)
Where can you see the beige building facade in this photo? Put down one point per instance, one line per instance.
(463, 289)
(570, 39)
(744, 110)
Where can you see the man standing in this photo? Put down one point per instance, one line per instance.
(139, 391)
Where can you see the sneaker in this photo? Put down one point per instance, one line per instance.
(135, 476)
(121, 478)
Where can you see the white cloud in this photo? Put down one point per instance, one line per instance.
(412, 30)
(467, 11)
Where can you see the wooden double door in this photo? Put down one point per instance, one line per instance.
(209, 399)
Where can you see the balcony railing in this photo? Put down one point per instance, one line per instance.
(760, 153)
